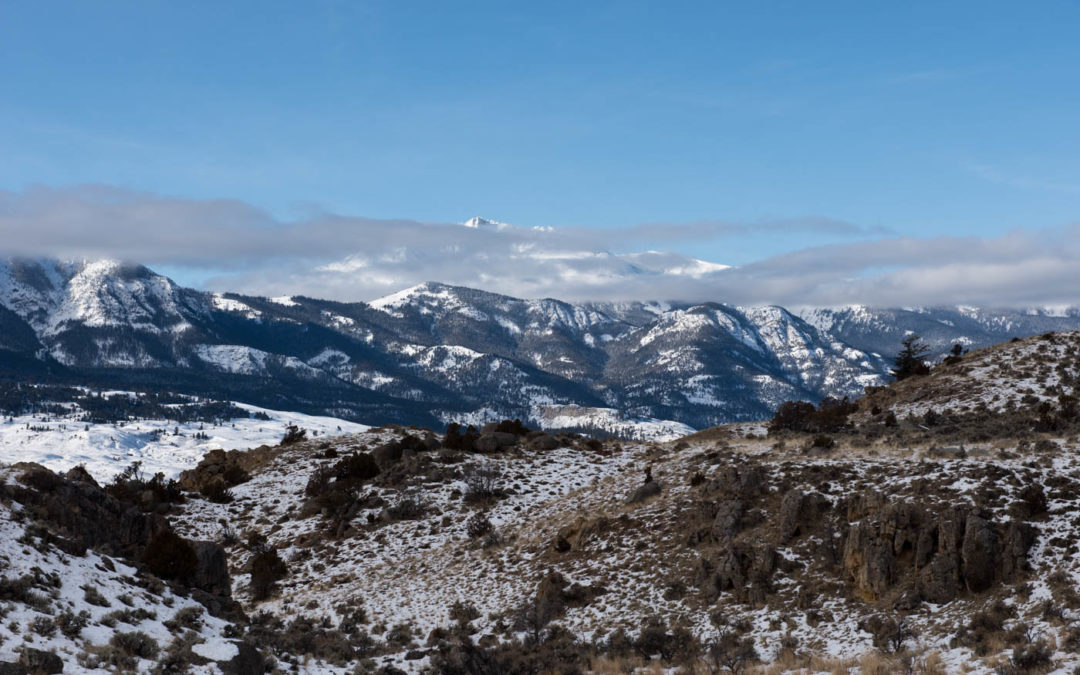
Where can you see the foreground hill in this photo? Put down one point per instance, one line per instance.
(888, 544)
(435, 353)
(932, 539)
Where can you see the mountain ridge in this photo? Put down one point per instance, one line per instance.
(435, 352)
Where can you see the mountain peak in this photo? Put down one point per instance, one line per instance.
(478, 223)
(396, 300)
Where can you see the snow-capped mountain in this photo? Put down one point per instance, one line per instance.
(880, 330)
(436, 353)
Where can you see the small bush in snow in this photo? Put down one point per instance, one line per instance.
(408, 507)
(44, 626)
(93, 596)
(293, 434)
(71, 624)
(187, 617)
(21, 590)
(483, 483)
(478, 525)
(135, 643)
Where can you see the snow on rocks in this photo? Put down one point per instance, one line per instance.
(76, 606)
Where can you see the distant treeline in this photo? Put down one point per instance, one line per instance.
(20, 398)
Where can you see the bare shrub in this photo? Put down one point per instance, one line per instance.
(293, 434)
(483, 483)
(478, 525)
(135, 643)
(267, 568)
(407, 507)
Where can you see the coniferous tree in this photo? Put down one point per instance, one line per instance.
(911, 360)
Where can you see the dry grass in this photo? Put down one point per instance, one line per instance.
(870, 663)
(621, 666)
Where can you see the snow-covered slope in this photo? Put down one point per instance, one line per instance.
(435, 353)
(81, 608)
(1033, 376)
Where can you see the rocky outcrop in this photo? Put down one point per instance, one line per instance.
(554, 594)
(939, 553)
(387, 454)
(493, 441)
(725, 525)
(890, 550)
(225, 468)
(81, 510)
(746, 571)
(939, 582)
(644, 492)
(248, 661)
(869, 561)
(800, 512)
(541, 440)
(979, 554)
(212, 573)
(74, 508)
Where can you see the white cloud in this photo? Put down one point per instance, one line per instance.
(353, 258)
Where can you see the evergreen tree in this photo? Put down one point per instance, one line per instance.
(911, 360)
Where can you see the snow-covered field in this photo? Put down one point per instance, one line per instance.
(608, 420)
(161, 445)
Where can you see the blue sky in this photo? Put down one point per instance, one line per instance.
(915, 118)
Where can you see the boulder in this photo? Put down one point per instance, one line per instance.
(233, 467)
(644, 492)
(925, 545)
(868, 560)
(493, 441)
(792, 507)
(726, 523)
(550, 599)
(543, 441)
(248, 661)
(38, 662)
(561, 544)
(486, 443)
(79, 474)
(1019, 537)
(744, 482)
(387, 454)
(729, 572)
(431, 442)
